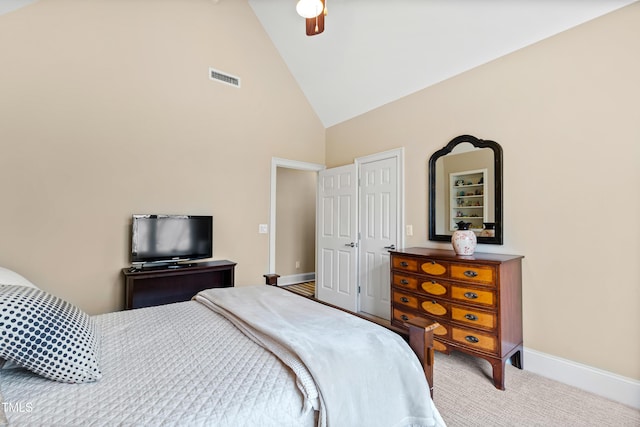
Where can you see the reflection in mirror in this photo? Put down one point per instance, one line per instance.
(465, 185)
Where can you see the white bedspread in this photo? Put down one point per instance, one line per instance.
(172, 365)
(365, 374)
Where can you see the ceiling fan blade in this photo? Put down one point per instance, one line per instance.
(315, 25)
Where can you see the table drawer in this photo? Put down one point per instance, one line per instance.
(476, 318)
(481, 274)
(473, 296)
(474, 339)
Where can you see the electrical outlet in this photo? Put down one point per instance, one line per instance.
(409, 230)
(263, 228)
(297, 264)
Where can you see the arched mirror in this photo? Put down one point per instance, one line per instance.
(465, 185)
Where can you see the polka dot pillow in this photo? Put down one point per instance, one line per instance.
(48, 335)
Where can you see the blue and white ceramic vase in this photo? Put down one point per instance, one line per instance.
(464, 241)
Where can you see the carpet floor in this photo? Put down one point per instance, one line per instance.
(465, 396)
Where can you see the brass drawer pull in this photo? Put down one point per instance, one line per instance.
(404, 282)
(470, 295)
(404, 299)
(471, 339)
(470, 316)
(404, 317)
(470, 273)
(404, 264)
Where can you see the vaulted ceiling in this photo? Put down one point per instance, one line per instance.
(373, 52)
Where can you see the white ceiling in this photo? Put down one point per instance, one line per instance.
(9, 5)
(373, 52)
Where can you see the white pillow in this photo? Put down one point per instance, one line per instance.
(48, 335)
(8, 277)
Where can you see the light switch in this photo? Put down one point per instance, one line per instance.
(409, 230)
(263, 228)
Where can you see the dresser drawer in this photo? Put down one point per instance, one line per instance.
(474, 339)
(481, 274)
(422, 285)
(404, 263)
(433, 288)
(476, 318)
(473, 296)
(405, 315)
(401, 299)
(435, 308)
(434, 267)
(403, 281)
(440, 346)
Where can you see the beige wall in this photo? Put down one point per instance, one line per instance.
(295, 221)
(107, 110)
(566, 114)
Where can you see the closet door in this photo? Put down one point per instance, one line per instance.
(337, 237)
(378, 233)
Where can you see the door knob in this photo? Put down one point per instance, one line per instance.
(391, 248)
(352, 244)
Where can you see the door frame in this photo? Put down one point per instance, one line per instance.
(276, 163)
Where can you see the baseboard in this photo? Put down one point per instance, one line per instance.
(296, 278)
(606, 384)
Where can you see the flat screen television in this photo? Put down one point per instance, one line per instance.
(171, 238)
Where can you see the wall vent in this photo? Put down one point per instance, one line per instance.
(224, 77)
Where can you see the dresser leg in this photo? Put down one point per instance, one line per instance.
(516, 359)
(498, 373)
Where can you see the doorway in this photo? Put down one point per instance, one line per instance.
(360, 219)
(360, 264)
(296, 269)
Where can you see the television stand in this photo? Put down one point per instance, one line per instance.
(156, 286)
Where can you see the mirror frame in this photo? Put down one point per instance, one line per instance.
(497, 163)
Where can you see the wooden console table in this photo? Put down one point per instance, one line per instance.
(162, 285)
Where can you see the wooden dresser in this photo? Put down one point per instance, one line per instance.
(477, 300)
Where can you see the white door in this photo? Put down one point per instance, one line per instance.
(378, 233)
(336, 280)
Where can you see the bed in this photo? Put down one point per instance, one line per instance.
(244, 356)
